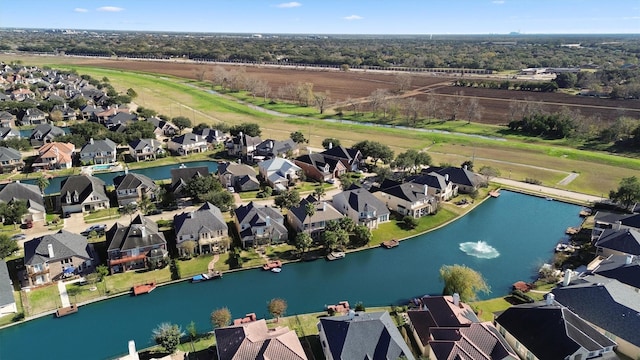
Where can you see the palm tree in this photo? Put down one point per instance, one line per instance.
(42, 183)
(319, 192)
(310, 210)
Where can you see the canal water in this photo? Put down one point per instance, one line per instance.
(154, 173)
(522, 229)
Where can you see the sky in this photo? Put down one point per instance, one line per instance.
(393, 17)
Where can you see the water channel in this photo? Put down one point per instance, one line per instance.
(522, 229)
(154, 173)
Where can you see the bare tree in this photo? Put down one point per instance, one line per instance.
(321, 100)
(430, 106)
(456, 105)
(263, 89)
(411, 108)
(220, 76)
(287, 92)
(304, 93)
(354, 104)
(376, 99)
(403, 80)
(200, 74)
(473, 109)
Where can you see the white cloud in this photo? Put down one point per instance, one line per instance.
(110, 9)
(499, 2)
(353, 17)
(288, 5)
(80, 10)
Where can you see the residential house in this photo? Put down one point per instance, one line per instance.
(52, 257)
(203, 230)
(438, 185)
(260, 225)
(163, 128)
(7, 133)
(33, 116)
(241, 177)
(68, 113)
(7, 301)
(443, 326)
(137, 246)
(407, 199)
(89, 111)
(44, 134)
(181, 176)
(359, 335)
(102, 115)
(212, 136)
(608, 220)
(186, 144)
(315, 223)
(547, 330)
(608, 305)
(279, 173)
(618, 242)
(133, 187)
(362, 207)
(83, 193)
(255, 341)
(624, 268)
(22, 94)
(352, 159)
(269, 148)
(31, 194)
(120, 118)
(243, 146)
(466, 181)
(10, 160)
(98, 152)
(317, 166)
(7, 119)
(145, 149)
(55, 155)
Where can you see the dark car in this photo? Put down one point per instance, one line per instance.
(154, 212)
(28, 224)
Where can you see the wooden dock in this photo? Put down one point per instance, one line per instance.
(494, 193)
(272, 265)
(144, 288)
(64, 311)
(390, 243)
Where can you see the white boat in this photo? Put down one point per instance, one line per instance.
(276, 270)
(335, 255)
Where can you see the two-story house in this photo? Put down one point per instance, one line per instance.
(83, 193)
(181, 176)
(241, 177)
(319, 167)
(187, 144)
(52, 257)
(213, 136)
(133, 187)
(260, 225)
(243, 146)
(33, 116)
(98, 152)
(7, 119)
(438, 185)
(31, 195)
(350, 158)
(162, 127)
(55, 155)
(10, 160)
(201, 231)
(279, 173)
(145, 149)
(137, 246)
(270, 148)
(362, 207)
(44, 134)
(7, 133)
(314, 224)
(407, 199)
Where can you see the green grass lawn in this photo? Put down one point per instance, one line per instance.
(486, 308)
(393, 229)
(42, 299)
(123, 282)
(99, 215)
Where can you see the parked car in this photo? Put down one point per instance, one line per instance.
(99, 228)
(154, 212)
(27, 225)
(17, 237)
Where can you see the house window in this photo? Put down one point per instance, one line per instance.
(529, 355)
(502, 331)
(517, 345)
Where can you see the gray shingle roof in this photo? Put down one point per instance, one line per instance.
(84, 185)
(65, 245)
(133, 181)
(606, 303)
(616, 267)
(409, 191)
(626, 241)
(256, 216)
(6, 290)
(21, 191)
(323, 211)
(206, 219)
(97, 146)
(141, 233)
(371, 336)
(362, 200)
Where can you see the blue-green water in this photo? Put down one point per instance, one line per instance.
(26, 133)
(522, 228)
(154, 173)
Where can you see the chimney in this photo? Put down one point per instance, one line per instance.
(267, 221)
(567, 277)
(628, 260)
(456, 299)
(549, 299)
(425, 188)
(465, 167)
(446, 177)
(352, 314)
(91, 141)
(324, 206)
(50, 249)
(330, 145)
(126, 170)
(618, 225)
(133, 354)
(240, 134)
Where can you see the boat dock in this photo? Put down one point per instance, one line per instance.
(390, 243)
(494, 193)
(272, 265)
(68, 310)
(144, 288)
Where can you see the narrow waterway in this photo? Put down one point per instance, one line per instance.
(523, 229)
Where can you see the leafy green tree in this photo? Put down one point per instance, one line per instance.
(102, 271)
(489, 172)
(310, 210)
(251, 129)
(13, 211)
(181, 122)
(200, 185)
(7, 246)
(15, 143)
(277, 307)
(361, 236)
(566, 80)
(298, 137)
(375, 150)
(220, 317)
(42, 183)
(303, 242)
(412, 159)
(287, 199)
(132, 93)
(330, 142)
(346, 223)
(319, 192)
(129, 209)
(174, 267)
(410, 222)
(168, 336)
(193, 333)
(200, 127)
(464, 281)
(468, 164)
(628, 193)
